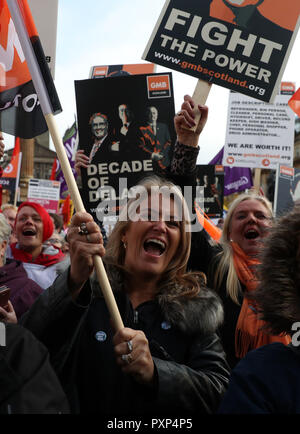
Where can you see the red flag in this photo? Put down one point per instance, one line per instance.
(294, 102)
(66, 211)
(53, 171)
(21, 114)
(17, 147)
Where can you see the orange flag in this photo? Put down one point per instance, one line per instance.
(66, 210)
(294, 102)
(207, 224)
(21, 113)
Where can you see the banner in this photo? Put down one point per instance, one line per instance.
(70, 143)
(287, 189)
(260, 135)
(236, 179)
(211, 178)
(121, 70)
(126, 128)
(20, 111)
(241, 45)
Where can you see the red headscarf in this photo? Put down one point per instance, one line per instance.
(48, 226)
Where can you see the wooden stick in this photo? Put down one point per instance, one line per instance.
(77, 201)
(200, 96)
(257, 176)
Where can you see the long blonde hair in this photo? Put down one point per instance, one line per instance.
(226, 264)
(175, 272)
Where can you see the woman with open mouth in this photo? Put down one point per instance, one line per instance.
(168, 359)
(230, 264)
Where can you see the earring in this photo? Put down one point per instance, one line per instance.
(124, 244)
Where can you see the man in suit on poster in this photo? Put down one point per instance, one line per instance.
(99, 126)
(245, 13)
(155, 139)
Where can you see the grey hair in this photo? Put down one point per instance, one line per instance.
(5, 231)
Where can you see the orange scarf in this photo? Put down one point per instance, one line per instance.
(248, 333)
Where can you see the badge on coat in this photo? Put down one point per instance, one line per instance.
(101, 336)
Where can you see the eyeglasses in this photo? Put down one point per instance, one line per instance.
(54, 241)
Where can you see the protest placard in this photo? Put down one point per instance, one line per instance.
(260, 135)
(211, 178)
(126, 128)
(243, 46)
(11, 175)
(44, 192)
(102, 71)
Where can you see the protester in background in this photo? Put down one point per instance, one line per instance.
(10, 211)
(23, 291)
(267, 379)
(58, 222)
(167, 359)
(56, 240)
(32, 228)
(229, 265)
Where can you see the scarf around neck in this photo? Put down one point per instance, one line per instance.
(248, 333)
(43, 258)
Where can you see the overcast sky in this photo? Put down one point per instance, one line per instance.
(94, 32)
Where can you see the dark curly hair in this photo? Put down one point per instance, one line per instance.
(278, 291)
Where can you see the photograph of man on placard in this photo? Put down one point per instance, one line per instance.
(246, 13)
(155, 139)
(99, 128)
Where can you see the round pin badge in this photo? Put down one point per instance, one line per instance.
(100, 336)
(165, 325)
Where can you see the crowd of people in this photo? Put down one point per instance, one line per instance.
(209, 327)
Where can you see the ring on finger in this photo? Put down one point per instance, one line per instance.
(88, 238)
(83, 230)
(126, 358)
(179, 113)
(130, 346)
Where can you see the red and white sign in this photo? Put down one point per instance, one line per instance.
(44, 192)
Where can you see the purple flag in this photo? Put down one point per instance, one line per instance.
(69, 141)
(236, 179)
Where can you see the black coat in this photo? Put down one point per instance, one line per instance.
(191, 371)
(204, 257)
(266, 381)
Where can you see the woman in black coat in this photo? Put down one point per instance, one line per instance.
(167, 359)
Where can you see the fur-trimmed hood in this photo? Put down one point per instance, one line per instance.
(278, 293)
(201, 314)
